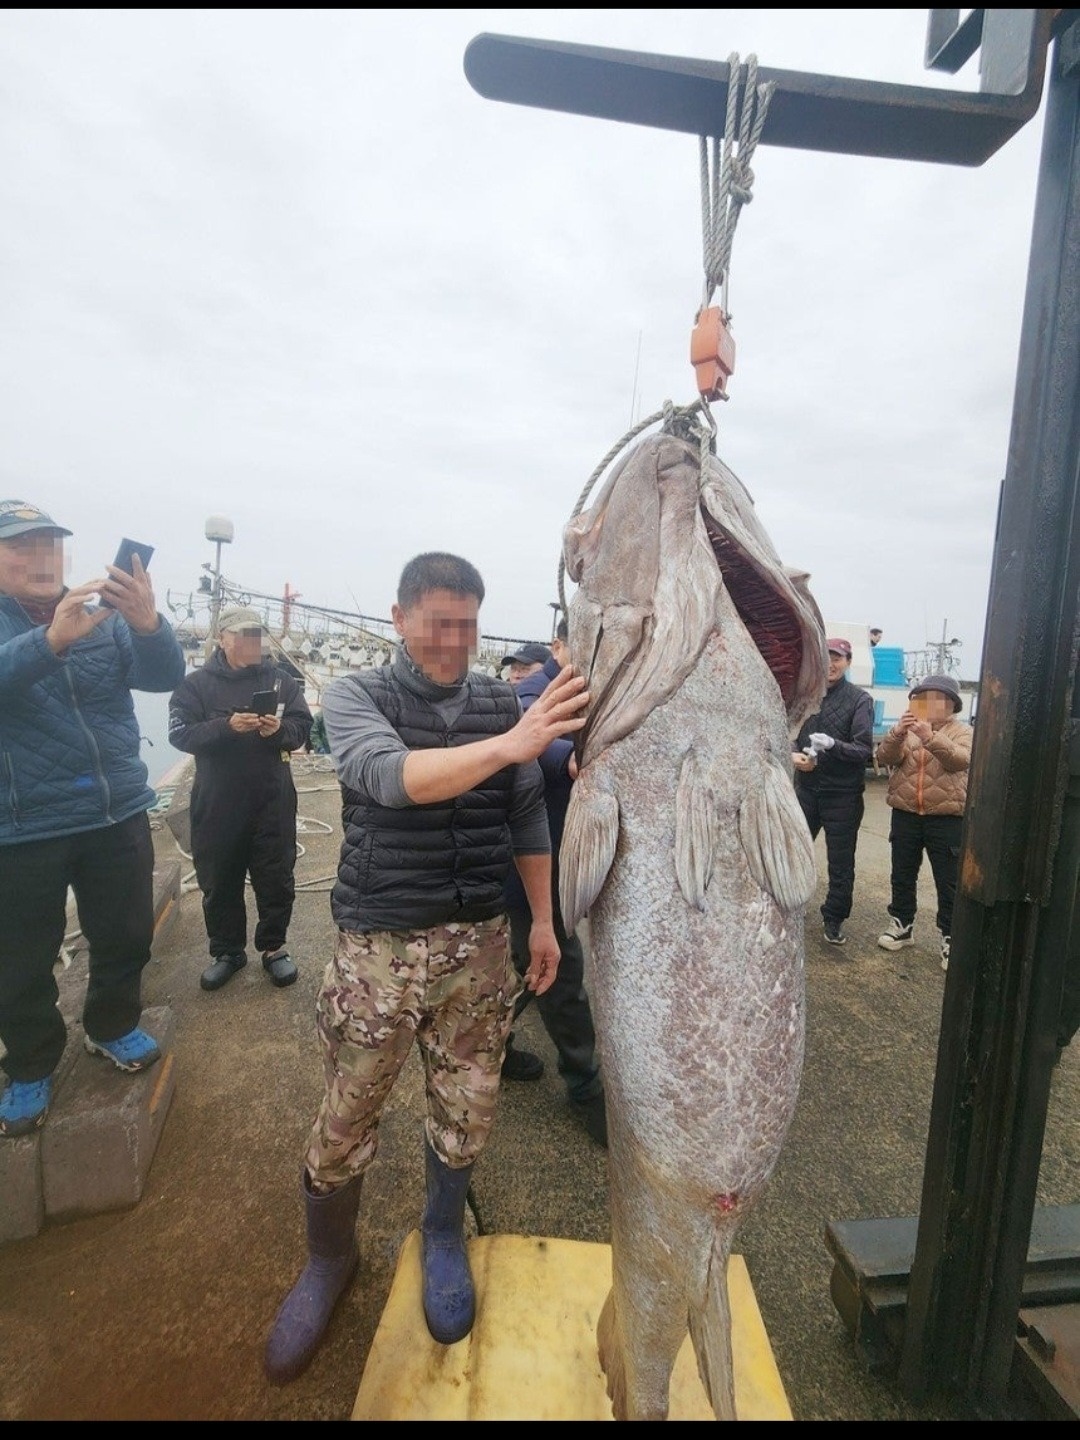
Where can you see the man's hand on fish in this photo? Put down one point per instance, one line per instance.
(804, 760)
(558, 711)
(543, 956)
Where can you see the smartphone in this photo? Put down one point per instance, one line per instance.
(919, 705)
(127, 549)
(264, 702)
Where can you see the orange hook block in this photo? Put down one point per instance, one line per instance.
(712, 353)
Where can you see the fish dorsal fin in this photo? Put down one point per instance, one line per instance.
(776, 840)
(696, 814)
(590, 836)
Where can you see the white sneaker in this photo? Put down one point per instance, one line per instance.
(945, 952)
(897, 935)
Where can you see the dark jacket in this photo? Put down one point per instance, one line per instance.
(248, 767)
(555, 765)
(847, 714)
(421, 865)
(69, 739)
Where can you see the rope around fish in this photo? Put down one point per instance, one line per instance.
(726, 186)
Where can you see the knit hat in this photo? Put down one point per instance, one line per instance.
(945, 683)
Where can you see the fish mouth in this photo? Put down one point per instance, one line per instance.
(664, 554)
(768, 615)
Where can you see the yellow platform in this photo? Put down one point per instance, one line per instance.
(532, 1352)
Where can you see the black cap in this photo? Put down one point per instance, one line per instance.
(529, 654)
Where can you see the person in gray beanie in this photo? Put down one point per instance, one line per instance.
(928, 752)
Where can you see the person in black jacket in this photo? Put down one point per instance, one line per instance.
(831, 754)
(564, 1009)
(243, 801)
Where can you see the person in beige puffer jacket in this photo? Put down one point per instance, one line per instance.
(928, 752)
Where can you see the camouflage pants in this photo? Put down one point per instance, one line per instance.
(453, 988)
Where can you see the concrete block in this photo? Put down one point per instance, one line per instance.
(22, 1197)
(99, 1141)
(22, 1204)
(166, 904)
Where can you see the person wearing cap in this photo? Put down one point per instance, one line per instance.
(832, 751)
(73, 803)
(875, 637)
(564, 1009)
(243, 800)
(928, 752)
(441, 794)
(526, 660)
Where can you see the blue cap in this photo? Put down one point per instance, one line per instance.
(19, 517)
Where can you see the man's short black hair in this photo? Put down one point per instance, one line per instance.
(562, 630)
(436, 570)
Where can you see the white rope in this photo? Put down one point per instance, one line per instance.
(727, 184)
(726, 187)
(675, 418)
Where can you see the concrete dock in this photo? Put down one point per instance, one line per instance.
(159, 1309)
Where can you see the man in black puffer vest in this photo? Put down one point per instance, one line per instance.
(832, 751)
(441, 793)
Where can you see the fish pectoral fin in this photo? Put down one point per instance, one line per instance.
(695, 830)
(776, 840)
(588, 845)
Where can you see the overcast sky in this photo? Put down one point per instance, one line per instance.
(289, 267)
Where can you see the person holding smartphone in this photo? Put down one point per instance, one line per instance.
(73, 802)
(241, 717)
(928, 752)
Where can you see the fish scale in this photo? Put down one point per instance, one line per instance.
(685, 846)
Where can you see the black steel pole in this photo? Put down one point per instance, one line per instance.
(1019, 860)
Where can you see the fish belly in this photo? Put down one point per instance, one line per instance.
(700, 1021)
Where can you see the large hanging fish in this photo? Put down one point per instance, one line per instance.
(686, 848)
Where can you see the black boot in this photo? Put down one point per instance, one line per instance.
(332, 1260)
(449, 1297)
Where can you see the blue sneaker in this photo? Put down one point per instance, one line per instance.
(134, 1051)
(24, 1105)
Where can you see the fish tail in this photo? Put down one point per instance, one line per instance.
(710, 1332)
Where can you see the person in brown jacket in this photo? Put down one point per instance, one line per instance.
(928, 752)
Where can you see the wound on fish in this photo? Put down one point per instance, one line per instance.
(725, 1204)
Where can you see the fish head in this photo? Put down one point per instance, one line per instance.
(652, 558)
